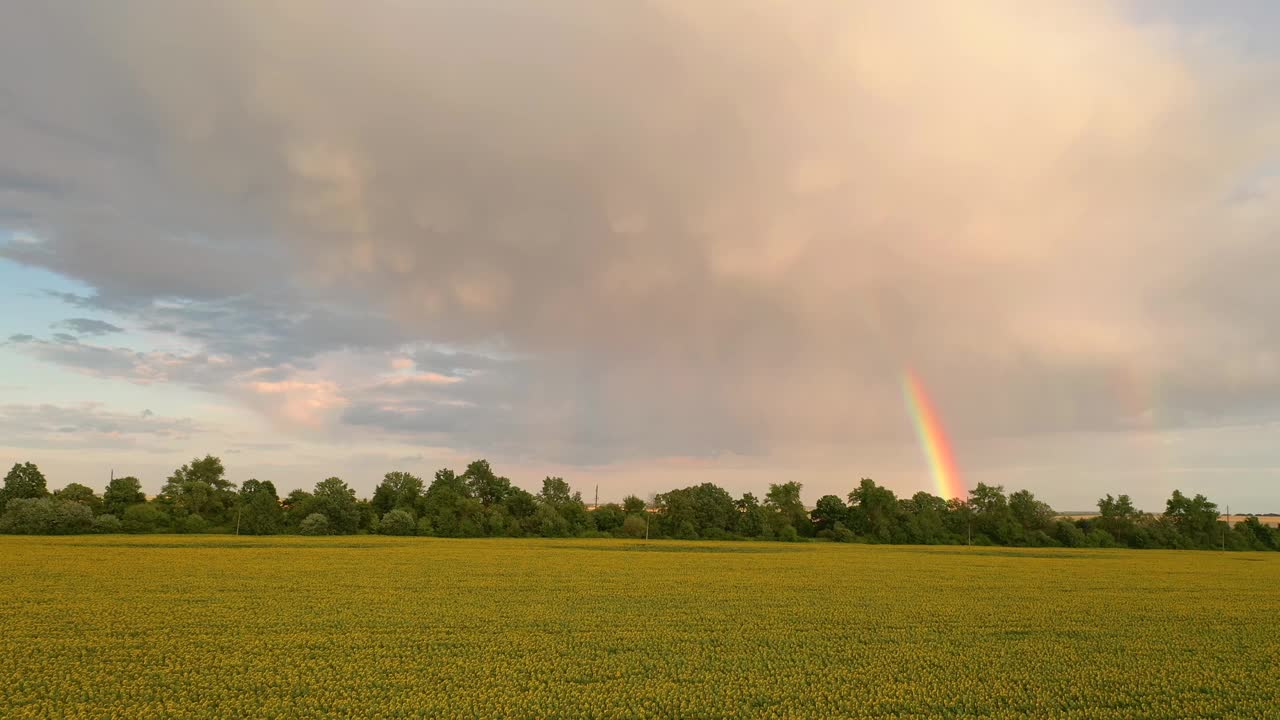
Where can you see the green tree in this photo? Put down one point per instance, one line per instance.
(199, 488)
(829, 511)
(297, 506)
(609, 517)
(1119, 517)
(144, 517)
(83, 494)
(398, 490)
(873, 511)
(314, 524)
(707, 508)
(259, 508)
(122, 492)
(635, 526)
(784, 501)
(567, 503)
(45, 516)
(991, 516)
(1195, 519)
(397, 522)
(926, 519)
(753, 518)
(107, 523)
(24, 481)
(444, 504)
(484, 485)
(334, 499)
(1030, 514)
(633, 505)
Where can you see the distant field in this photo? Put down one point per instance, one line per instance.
(225, 627)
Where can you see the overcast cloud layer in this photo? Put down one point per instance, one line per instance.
(662, 241)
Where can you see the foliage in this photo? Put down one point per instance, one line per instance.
(144, 517)
(24, 481)
(45, 516)
(336, 501)
(198, 488)
(258, 508)
(122, 492)
(83, 494)
(314, 524)
(397, 522)
(398, 490)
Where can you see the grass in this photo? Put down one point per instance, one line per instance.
(218, 627)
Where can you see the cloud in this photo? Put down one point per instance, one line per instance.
(663, 229)
(90, 425)
(89, 326)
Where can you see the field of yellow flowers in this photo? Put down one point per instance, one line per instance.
(375, 627)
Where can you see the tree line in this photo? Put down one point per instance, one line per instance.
(198, 498)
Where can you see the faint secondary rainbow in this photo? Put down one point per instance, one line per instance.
(933, 439)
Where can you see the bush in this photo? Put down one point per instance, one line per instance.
(107, 523)
(1069, 535)
(787, 533)
(634, 526)
(194, 523)
(397, 522)
(424, 527)
(314, 524)
(143, 518)
(840, 533)
(1100, 538)
(45, 516)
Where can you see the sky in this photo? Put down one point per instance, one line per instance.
(645, 245)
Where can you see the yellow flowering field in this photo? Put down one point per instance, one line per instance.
(378, 627)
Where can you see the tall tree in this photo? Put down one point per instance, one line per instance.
(1032, 516)
(829, 511)
(484, 485)
(122, 492)
(1195, 518)
(198, 488)
(705, 510)
(259, 508)
(24, 481)
(991, 515)
(784, 500)
(633, 505)
(1119, 517)
(82, 494)
(397, 491)
(334, 499)
(874, 511)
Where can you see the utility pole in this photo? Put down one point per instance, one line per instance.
(1225, 529)
(237, 519)
(597, 496)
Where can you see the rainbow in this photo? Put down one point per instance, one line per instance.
(933, 440)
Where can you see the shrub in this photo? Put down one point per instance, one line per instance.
(840, 533)
(634, 526)
(45, 516)
(314, 524)
(397, 522)
(194, 523)
(107, 523)
(143, 518)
